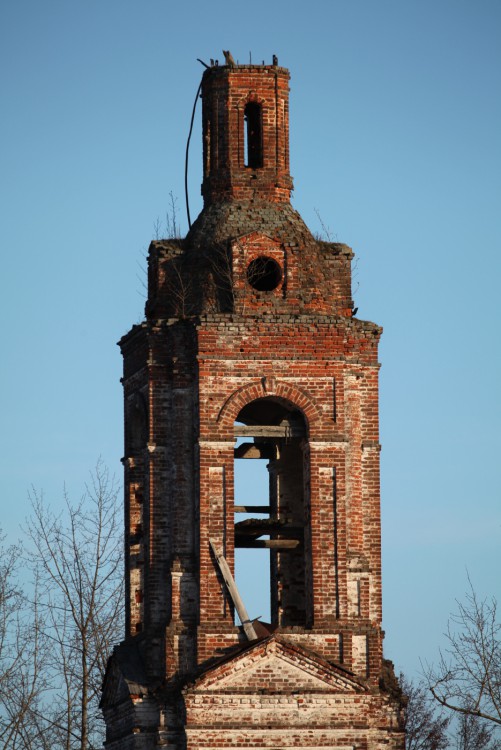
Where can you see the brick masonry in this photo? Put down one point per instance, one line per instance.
(249, 320)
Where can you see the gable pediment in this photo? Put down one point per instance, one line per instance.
(276, 665)
(257, 238)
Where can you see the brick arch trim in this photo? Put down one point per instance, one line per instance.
(269, 386)
(251, 96)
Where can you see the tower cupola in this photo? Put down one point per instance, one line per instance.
(246, 133)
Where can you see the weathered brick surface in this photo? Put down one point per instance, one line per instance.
(276, 694)
(282, 352)
(225, 93)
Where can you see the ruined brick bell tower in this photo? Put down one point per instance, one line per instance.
(250, 352)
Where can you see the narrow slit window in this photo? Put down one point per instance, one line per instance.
(253, 140)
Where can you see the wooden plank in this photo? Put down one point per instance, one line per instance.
(234, 593)
(267, 543)
(258, 526)
(267, 430)
(252, 508)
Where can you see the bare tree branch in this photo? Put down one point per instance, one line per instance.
(473, 733)
(425, 726)
(467, 679)
(22, 656)
(77, 557)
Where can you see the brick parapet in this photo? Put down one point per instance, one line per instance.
(210, 274)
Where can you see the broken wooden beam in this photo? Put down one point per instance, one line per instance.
(259, 526)
(233, 592)
(276, 544)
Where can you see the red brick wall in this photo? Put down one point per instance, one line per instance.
(225, 92)
(200, 376)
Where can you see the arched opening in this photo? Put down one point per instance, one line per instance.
(253, 140)
(271, 432)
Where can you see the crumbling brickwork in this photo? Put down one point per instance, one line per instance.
(249, 335)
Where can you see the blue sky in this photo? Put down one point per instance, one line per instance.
(395, 142)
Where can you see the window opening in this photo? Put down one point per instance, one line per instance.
(264, 274)
(253, 142)
(271, 513)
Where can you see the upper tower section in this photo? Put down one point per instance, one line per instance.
(249, 250)
(246, 133)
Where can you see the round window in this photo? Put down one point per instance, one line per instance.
(264, 274)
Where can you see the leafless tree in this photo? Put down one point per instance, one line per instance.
(22, 658)
(171, 227)
(326, 233)
(425, 726)
(10, 607)
(473, 733)
(10, 633)
(76, 557)
(179, 286)
(258, 275)
(467, 678)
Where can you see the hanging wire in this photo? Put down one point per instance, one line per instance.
(188, 148)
